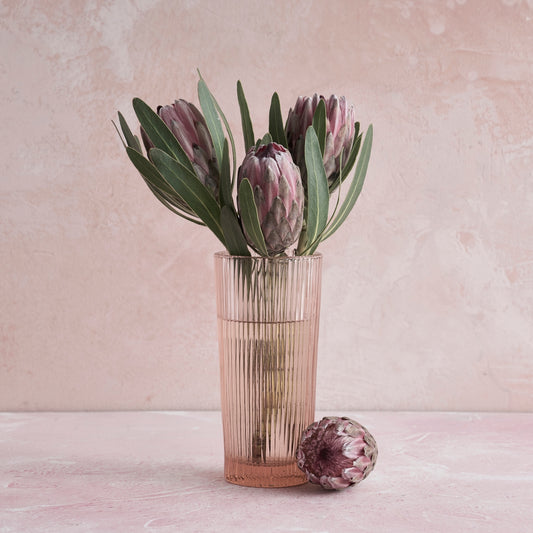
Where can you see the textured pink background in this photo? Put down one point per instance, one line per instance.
(107, 299)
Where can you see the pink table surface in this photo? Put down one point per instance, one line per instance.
(162, 472)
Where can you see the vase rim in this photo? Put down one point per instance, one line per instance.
(226, 255)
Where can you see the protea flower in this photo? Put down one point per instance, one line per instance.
(188, 126)
(336, 452)
(278, 194)
(340, 131)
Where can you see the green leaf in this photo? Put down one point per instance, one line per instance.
(247, 128)
(235, 241)
(275, 122)
(226, 197)
(212, 119)
(355, 187)
(169, 204)
(350, 161)
(354, 152)
(131, 140)
(250, 217)
(319, 124)
(159, 186)
(231, 140)
(193, 191)
(148, 170)
(267, 139)
(228, 129)
(317, 188)
(119, 134)
(159, 133)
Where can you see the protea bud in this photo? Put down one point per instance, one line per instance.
(278, 194)
(190, 129)
(336, 452)
(340, 131)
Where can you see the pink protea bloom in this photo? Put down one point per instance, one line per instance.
(278, 194)
(189, 127)
(340, 131)
(336, 452)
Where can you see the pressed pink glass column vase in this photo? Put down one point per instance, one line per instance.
(268, 315)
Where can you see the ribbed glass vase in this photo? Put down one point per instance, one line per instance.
(268, 316)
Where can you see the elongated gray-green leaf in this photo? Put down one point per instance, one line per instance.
(159, 186)
(212, 119)
(247, 128)
(355, 187)
(124, 143)
(354, 152)
(319, 123)
(131, 140)
(275, 122)
(228, 131)
(159, 133)
(148, 170)
(267, 138)
(250, 217)
(235, 241)
(226, 197)
(231, 141)
(350, 161)
(170, 204)
(193, 191)
(317, 188)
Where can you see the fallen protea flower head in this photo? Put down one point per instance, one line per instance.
(336, 452)
(278, 194)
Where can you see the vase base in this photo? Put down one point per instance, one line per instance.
(265, 476)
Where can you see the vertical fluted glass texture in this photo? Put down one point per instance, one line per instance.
(268, 315)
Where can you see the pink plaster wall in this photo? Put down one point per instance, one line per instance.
(107, 299)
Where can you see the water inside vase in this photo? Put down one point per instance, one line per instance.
(268, 397)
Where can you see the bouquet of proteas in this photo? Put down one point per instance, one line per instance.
(284, 184)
